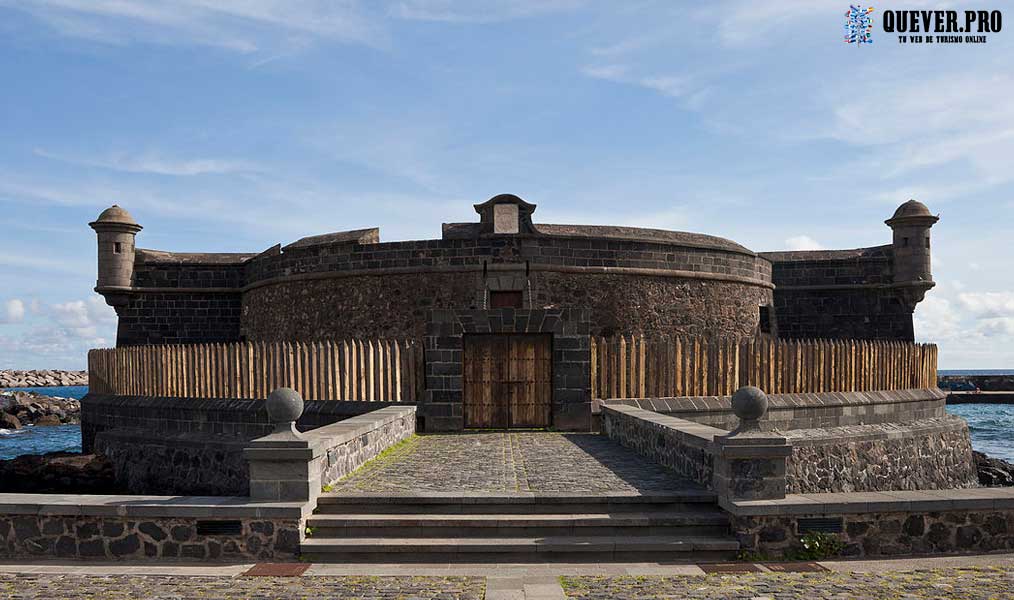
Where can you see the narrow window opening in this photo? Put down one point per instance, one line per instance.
(511, 299)
(904, 242)
(927, 241)
(117, 247)
(765, 319)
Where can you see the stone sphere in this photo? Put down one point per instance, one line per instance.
(284, 405)
(749, 403)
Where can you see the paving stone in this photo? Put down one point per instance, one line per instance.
(117, 587)
(964, 583)
(514, 462)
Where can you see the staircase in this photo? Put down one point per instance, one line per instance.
(530, 528)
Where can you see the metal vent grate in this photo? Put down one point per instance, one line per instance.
(821, 524)
(219, 528)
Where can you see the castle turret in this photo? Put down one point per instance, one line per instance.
(115, 229)
(911, 224)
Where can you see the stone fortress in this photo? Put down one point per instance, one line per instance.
(631, 280)
(646, 344)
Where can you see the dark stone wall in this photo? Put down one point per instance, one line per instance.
(536, 250)
(839, 294)
(687, 451)
(134, 538)
(179, 318)
(185, 445)
(362, 306)
(879, 533)
(924, 455)
(861, 313)
(627, 304)
(395, 305)
(187, 316)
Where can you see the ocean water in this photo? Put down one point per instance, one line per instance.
(991, 427)
(40, 440)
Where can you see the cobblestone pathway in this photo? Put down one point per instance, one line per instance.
(511, 462)
(987, 583)
(150, 587)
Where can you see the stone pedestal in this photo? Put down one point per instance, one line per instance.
(751, 466)
(750, 461)
(284, 465)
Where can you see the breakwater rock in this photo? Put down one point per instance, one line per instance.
(45, 378)
(18, 409)
(58, 473)
(985, 383)
(993, 472)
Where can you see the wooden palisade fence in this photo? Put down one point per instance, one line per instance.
(670, 366)
(365, 370)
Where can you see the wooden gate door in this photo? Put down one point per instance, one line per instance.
(508, 381)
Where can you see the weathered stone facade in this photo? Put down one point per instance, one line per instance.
(134, 538)
(187, 445)
(923, 455)
(684, 447)
(888, 533)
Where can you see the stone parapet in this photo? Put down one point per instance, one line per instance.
(294, 467)
(149, 527)
(806, 411)
(685, 447)
(928, 454)
(881, 523)
(736, 465)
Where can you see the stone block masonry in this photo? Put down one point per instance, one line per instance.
(189, 445)
(146, 527)
(928, 454)
(287, 466)
(443, 406)
(882, 523)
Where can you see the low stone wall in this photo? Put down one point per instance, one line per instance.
(285, 466)
(929, 454)
(354, 441)
(146, 527)
(186, 445)
(883, 523)
(181, 464)
(806, 411)
(685, 447)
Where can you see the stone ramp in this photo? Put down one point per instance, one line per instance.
(518, 462)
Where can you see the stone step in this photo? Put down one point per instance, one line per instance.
(457, 503)
(514, 525)
(519, 549)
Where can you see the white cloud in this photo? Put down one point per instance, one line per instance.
(967, 119)
(997, 327)
(151, 163)
(83, 319)
(674, 86)
(988, 305)
(14, 311)
(478, 11)
(936, 320)
(803, 242)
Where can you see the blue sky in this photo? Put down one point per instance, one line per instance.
(232, 126)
